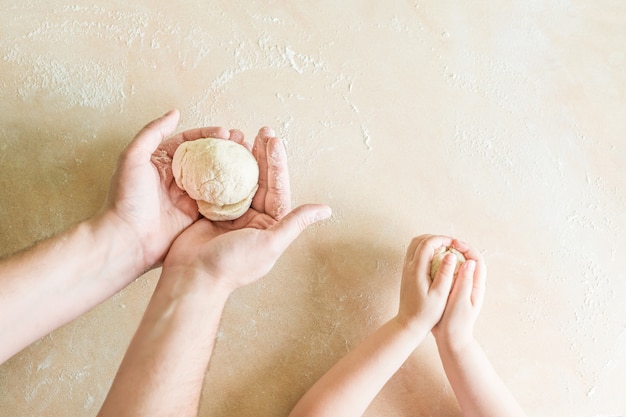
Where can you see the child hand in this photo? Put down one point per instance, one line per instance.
(456, 326)
(422, 300)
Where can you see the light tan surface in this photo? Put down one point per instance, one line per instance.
(501, 123)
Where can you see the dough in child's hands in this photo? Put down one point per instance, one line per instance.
(221, 175)
(438, 258)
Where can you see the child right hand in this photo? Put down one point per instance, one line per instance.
(456, 327)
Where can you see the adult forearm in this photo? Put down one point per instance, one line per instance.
(477, 387)
(61, 278)
(164, 367)
(349, 387)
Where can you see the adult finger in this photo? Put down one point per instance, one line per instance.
(237, 136)
(295, 222)
(170, 145)
(205, 132)
(259, 150)
(278, 196)
(151, 135)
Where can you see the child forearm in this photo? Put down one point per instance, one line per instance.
(477, 387)
(349, 386)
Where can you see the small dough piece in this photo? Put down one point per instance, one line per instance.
(438, 258)
(221, 175)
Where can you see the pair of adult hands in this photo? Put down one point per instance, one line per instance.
(145, 200)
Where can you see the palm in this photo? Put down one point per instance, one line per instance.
(234, 254)
(218, 245)
(272, 199)
(144, 195)
(145, 200)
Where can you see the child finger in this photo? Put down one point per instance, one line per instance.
(467, 251)
(465, 279)
(479, 282)
(445, 274)
(426, 250)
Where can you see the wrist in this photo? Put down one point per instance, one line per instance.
(454, 344)
(415, 329)
(185, 280)
(120, 244)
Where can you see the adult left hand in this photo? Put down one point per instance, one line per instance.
(144, 201)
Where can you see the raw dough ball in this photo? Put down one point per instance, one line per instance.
(221, 175)
(438, 258)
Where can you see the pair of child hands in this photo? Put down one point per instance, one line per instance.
(449, 303)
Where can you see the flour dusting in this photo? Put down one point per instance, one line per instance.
(91, 70)
(84, 83)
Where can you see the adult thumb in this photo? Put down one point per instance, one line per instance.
(296, 221)
(151, 135)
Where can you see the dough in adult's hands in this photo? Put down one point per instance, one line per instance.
(221, 175)
(438, 258)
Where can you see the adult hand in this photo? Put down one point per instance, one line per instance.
(234, 253)
(144, 202)
(423, 300)
(466, 297)
(164, 367)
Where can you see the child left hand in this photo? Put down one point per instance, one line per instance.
(422, 300)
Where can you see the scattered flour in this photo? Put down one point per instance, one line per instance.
(100, 45)
(79, 83)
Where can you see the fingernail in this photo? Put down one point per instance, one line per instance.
(322, 214)
(267, 131)
(449, 259)
(470, 265)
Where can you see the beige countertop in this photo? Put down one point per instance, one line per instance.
(498, 123)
